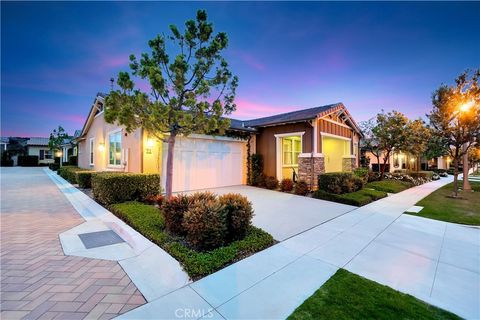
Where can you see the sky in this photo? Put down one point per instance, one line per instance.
(55, 56)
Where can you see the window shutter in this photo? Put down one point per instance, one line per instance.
(42, 154)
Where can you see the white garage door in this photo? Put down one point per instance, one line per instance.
(206, 162)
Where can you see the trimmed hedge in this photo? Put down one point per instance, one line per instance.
(84, 178)
(339, 182)
(149, 221)
(53, 166)
(28, 161)
(358, 198)
(69, 173)
(300, 188)
(115, 187)
(286, 185)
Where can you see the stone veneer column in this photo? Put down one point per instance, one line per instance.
(309, 167)
(349, 163)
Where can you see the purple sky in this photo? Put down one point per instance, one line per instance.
(56, 55)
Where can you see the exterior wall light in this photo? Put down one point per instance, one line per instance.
(101, 147)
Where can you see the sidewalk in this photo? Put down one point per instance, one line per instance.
(432, 260)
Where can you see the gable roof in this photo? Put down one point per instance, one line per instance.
(289, 117)
(37, 141)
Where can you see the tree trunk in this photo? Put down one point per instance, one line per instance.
(169, 175)
(466, 183)
(455, 177)
(382, 169)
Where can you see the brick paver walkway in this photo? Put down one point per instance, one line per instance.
(37, 280)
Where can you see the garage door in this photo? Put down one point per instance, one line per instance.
(206, 162)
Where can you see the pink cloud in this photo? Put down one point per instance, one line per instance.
(247, 109)
(249, 60)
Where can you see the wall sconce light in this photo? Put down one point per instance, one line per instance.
(150, 142)
(412, 160)
(59, 154)
(101, 147)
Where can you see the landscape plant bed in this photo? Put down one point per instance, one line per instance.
(349, 296)
(149, 221)
(358, 198)
(390, 186)
(439, 205)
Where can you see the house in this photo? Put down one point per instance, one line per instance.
(69, 146)
(38, 146)
(399, 160)
(308, 142)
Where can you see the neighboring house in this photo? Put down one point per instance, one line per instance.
(38, 146)
(69, 146)
(4, 143)
(309, 142)
(404, 161)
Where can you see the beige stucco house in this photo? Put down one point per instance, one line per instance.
(403, 161)
(306, 142)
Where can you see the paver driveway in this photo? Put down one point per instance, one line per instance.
(37, 279)
(285, 215)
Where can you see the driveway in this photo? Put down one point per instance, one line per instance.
(38, 280)
(435, 261)
(285, 215)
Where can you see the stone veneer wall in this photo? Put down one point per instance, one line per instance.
(309, 168)
(348, 164)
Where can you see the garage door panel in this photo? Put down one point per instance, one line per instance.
(204, 163)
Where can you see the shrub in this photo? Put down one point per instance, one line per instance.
(239, 214)
(286, 185)
(421, 174)
(157, 199)
(73, 160)
(361, 172)
(373, 176)
(257, 170)
(69, 173)
(357, 198)
(84, 178)
(301, 188)
(27, 161)
(271, 183)
(53, 166)
(339, 182)
(173, 211)
(205, 224)
(118, 187)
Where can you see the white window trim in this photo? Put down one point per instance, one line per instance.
(91, 146)
(334, 136)
(115, 166)
(279, 155)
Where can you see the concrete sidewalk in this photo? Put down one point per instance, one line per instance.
(435, 261)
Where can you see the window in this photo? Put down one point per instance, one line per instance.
(292, 147)
(45, 154)
(92, 148)
(115, 148)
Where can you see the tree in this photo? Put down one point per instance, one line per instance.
(436, 147)
(369, 142)
(455, 117)
(417, 138)
(190, 93)
(391, 133)
(57, 138)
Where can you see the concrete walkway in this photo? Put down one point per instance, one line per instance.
(285, 215)
(38, 280)
(435, 261)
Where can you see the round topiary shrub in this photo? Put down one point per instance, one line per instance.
(173, 212)
(239, 214)
(286, 185)
(301, 188)
(205, 224)
(271, 183)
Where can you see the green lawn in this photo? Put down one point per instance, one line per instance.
(357, 198)
(348, 296)
(391, 186)
(149, 221)
(440, 206)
